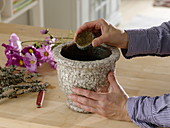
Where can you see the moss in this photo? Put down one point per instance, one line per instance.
(84, 39)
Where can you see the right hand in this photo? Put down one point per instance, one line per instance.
(105, 33)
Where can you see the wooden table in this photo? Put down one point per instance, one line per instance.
(139, 76)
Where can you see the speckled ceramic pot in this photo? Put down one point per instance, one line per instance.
(86, 69)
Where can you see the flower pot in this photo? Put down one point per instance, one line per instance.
(87, 69)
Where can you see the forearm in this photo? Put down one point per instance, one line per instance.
(149, 112)
(153, 41)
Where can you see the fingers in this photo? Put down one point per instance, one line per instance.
(84, 100)
(88, 26)
(90, 109)
(100, 24)
(85, 107)
(113, 83)
(98, 41)
(89, 94)
(104, 25)
(89, 105)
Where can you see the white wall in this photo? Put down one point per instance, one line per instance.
(60, 14)
(23, 19)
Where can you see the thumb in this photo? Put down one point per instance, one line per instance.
(98, 41)
(113, 83)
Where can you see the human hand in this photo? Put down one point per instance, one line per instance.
(105, 33)
(111, 104)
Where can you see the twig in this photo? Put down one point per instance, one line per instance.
(14, 82)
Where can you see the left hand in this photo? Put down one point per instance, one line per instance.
(111, 104)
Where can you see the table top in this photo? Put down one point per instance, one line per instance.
(139, 76)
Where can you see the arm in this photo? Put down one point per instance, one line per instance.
(153, 41)
(150, 112)
(146, 111)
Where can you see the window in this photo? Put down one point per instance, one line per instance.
(94, 9)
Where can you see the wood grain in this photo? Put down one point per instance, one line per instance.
(139, 76)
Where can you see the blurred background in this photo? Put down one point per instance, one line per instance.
(70, 14)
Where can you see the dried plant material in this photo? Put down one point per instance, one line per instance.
(84, 39)
(14, 82)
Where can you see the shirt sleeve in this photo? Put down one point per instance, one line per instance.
(152, 41)
(145, 111)
(150, 112)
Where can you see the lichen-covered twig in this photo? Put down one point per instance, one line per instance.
(22, 89)
(14, 82)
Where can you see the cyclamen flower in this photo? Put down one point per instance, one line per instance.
(30, 62)
(15, 42)
(15, 59)
(46, 53)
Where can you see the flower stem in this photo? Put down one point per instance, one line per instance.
(39, 41)
(64, 37)
(33, 41)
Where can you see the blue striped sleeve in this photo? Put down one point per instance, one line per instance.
(150, 112)
(152, 41)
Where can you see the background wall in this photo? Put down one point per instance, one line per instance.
(69, 14)
(58, 12)
(23, 19)
(58, 19)
(66, 9)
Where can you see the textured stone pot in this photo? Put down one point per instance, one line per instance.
(86, 69)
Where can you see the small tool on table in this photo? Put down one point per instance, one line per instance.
(40, 98)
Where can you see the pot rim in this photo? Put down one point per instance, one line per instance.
(115, 55)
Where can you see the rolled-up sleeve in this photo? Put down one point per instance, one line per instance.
(152, 41)
(150, 112)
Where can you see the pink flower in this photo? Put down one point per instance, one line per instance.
(44, 31)
(30, 56)
(45, 53)
(10, 50)
(15, 42)
(48, 41)
(54, 39)
(31, 50)
(15, 59)
(30, 62)
(52, 63)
